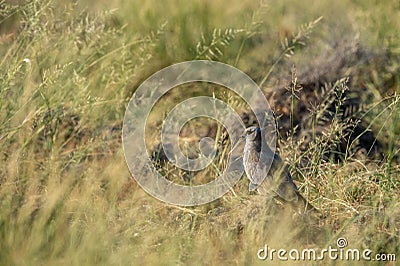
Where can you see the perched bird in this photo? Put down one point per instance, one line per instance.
(267, 172)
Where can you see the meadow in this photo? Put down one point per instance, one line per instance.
(331, 71)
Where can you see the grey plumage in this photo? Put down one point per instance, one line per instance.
(267, 172)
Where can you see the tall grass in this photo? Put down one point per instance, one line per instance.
(67, 71)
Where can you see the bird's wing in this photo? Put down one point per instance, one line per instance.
(280, 181)
(287, 191)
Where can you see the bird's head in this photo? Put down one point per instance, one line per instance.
(252, 133)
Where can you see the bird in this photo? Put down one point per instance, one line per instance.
(267, 172)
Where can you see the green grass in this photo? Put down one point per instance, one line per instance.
(67, 72)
